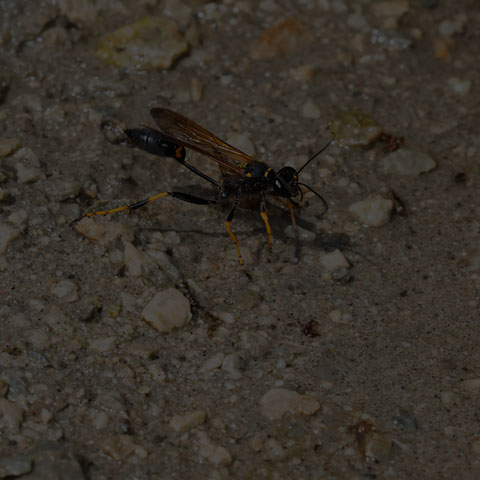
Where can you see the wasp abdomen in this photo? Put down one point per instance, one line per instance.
(152, 142)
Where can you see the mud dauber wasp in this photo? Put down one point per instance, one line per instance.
(242, 175)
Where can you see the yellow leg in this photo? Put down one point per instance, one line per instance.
(264, 216)
(235, 241)
(131, 207)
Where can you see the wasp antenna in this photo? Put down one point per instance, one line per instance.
(325, 204)
(315, 156)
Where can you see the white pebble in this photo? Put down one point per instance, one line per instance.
(303, 234)
(181, 423)
(167, 310)
(27, 166)
(196, 89)
(472, 385)
(215, 454)
(459, 86)
(137, 263)
(374, 211)
(336, 316)
(448, 28)
(243, 143)
(66, 291)
(407, 162)
(357, 21)
(18, 218)
(7, 235)
(333, 260)
(278, 401)
(100, 420)
(390, 8)
(60, 188)
(46, 415)
(213, 362)
(102, 345)
(11, 415)
(311, 110)
(234, 365)
(8, 146)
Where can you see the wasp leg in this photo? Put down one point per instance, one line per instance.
(196, 171)
(291, 207)
(229, 230)
(185, 197)
(264, 215)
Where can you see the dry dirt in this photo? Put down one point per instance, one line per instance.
(386, 351)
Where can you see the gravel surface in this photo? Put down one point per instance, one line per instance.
(136, 346)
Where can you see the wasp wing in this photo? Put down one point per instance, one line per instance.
(182, 131)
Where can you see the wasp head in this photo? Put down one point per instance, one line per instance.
(285, 184)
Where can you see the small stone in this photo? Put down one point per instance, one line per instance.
(405, 420)
(460, 86)
(167, 310)
(333, 260)
(353, 128)
(338, 6)
(374, 211)
(196, 89)
(281, 39)
(8, 146)
(357, 21)
(215, 454)
(390, 40)
(151, 43)
(177, 10)
(390, 8)
(256, 343)
(38, 338)
(336, 316)
(448, 28)
(100, 420)
(106, 231)
(11, 467)
(11, 415)
(3, 388)
(377, 447)
(471, 385)
(66, 291)
(303, 234)
(27, 166)
(226, 317)
(305, 73)
(46, 416)
(137, 263)
(18, 218)
(181, 423)
(407, 162)
(103, 345)
(274, 450)
(7, 235)
(61, 188)
(278, 401)
(311, 110)
(476, 445)
(235, 365)
(51, 461)
(119, 447)
(4, 193)
(213, 362)
(243, 143)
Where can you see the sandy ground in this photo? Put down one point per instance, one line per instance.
(285, 368)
